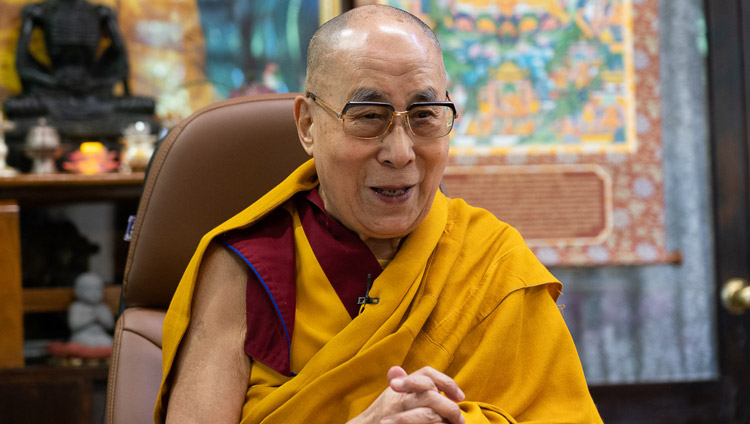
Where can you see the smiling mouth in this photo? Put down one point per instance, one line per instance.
(392, 192)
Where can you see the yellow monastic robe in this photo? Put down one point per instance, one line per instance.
(464, 295)
(312, 329)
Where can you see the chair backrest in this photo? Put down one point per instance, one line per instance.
(211, 166)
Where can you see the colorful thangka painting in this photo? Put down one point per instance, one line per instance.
(536, 73)
(556, 135)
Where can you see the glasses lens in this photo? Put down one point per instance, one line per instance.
(431, 121)
(367, 121)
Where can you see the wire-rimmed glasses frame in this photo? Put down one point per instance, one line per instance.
(436, 131)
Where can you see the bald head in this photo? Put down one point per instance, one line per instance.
(328, 41)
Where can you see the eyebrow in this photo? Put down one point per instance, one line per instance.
(367, 95)
(428, 95)
(370, 95)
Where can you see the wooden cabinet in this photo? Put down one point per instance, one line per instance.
(49, 393)
(11, 310)
(58, 395)
(22, 191)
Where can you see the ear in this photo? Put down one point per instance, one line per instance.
(304, 121)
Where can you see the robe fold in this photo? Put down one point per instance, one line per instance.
(464, 295)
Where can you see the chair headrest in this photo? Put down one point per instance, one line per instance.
(211, 166)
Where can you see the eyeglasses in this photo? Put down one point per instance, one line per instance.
(370, 120)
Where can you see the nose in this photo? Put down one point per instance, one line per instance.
(397, 146)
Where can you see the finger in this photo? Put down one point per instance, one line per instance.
(395, 372)
(414, 416)
(413, 383)
(443, 383)
(444, 407)
(428, 379)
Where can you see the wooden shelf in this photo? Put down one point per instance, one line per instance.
(47, 188)
(63, 179)
(98, 371)
(56, 299)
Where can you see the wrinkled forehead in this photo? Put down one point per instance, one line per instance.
(368, 59)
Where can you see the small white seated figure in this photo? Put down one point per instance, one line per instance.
(89, 318)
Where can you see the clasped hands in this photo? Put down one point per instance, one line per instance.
(415, 398)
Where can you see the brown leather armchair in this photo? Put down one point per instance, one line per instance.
(211, 166)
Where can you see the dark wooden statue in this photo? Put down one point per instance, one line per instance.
(75, 92)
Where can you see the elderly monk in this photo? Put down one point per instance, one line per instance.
(355, 291)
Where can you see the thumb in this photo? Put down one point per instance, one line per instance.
(396, 372)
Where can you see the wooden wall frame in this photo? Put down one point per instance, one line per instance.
(11, 307)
